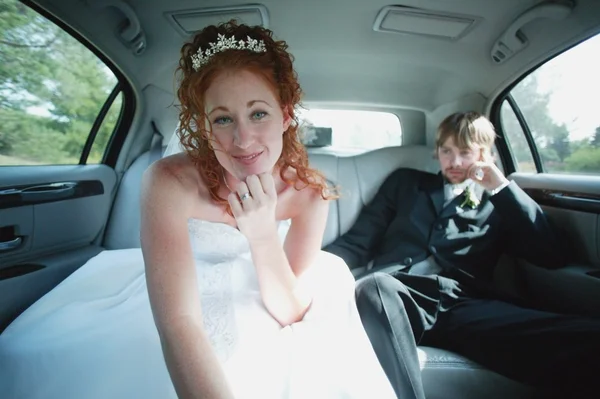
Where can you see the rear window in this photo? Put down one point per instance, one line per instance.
(349, 130)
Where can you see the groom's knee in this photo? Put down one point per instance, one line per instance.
(371, 290)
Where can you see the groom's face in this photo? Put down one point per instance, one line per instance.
(455, 161)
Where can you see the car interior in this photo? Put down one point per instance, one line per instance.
(377, 79)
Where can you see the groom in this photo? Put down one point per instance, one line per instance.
(442, 235)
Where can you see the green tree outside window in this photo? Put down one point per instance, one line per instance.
(51, 90)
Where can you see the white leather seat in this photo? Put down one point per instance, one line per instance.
(123, 229)
(359, 177)
(445, 374)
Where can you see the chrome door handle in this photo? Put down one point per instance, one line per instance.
(53, 191)
(11, 244)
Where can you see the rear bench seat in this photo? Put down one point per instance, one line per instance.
(359, 177)
(446, 375)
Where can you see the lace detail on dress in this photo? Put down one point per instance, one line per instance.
(223, 263)
(215, 246)
(216, 242)
(217, 308)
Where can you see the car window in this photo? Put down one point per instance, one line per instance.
(559, 106)
(349, 129)
(52, 91)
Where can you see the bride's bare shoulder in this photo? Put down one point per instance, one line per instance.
(175, 172)
(302, 197)
(175, 182)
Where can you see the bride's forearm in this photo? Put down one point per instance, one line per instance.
(192, 364)
(283, 297)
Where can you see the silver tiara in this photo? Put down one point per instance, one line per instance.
(201, 57)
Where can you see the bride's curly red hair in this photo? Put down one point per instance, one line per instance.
(275, 66)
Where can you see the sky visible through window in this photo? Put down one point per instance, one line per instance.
(572, 80)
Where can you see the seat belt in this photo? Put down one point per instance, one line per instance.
(156, 145)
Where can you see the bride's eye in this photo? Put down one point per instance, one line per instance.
(222, 120)
(258, 115)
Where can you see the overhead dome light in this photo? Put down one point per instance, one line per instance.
(187, 22)
(416, 21)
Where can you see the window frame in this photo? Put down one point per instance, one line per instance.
(535, 154)
(89, 142)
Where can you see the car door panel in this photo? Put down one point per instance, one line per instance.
(16, 223)
(63, 211)
(573, 204)
(48, 219)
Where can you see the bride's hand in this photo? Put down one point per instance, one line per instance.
(253, 206)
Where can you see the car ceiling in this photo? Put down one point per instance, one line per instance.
(339, 57)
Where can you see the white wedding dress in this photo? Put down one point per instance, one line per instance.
(93, 336)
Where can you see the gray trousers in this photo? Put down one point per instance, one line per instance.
(554, 352)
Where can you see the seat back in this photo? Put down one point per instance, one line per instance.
(123, 229)
(359, 177)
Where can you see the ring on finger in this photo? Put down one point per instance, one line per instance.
(479, 173)
(244, 196)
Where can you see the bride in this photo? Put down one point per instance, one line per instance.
(230, 296)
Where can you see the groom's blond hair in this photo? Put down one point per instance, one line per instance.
(467, 129)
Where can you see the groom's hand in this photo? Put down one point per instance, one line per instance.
(253, 206)
(487, 175)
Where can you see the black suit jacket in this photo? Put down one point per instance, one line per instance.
(406, 222)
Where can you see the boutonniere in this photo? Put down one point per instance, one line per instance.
(471, 199)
